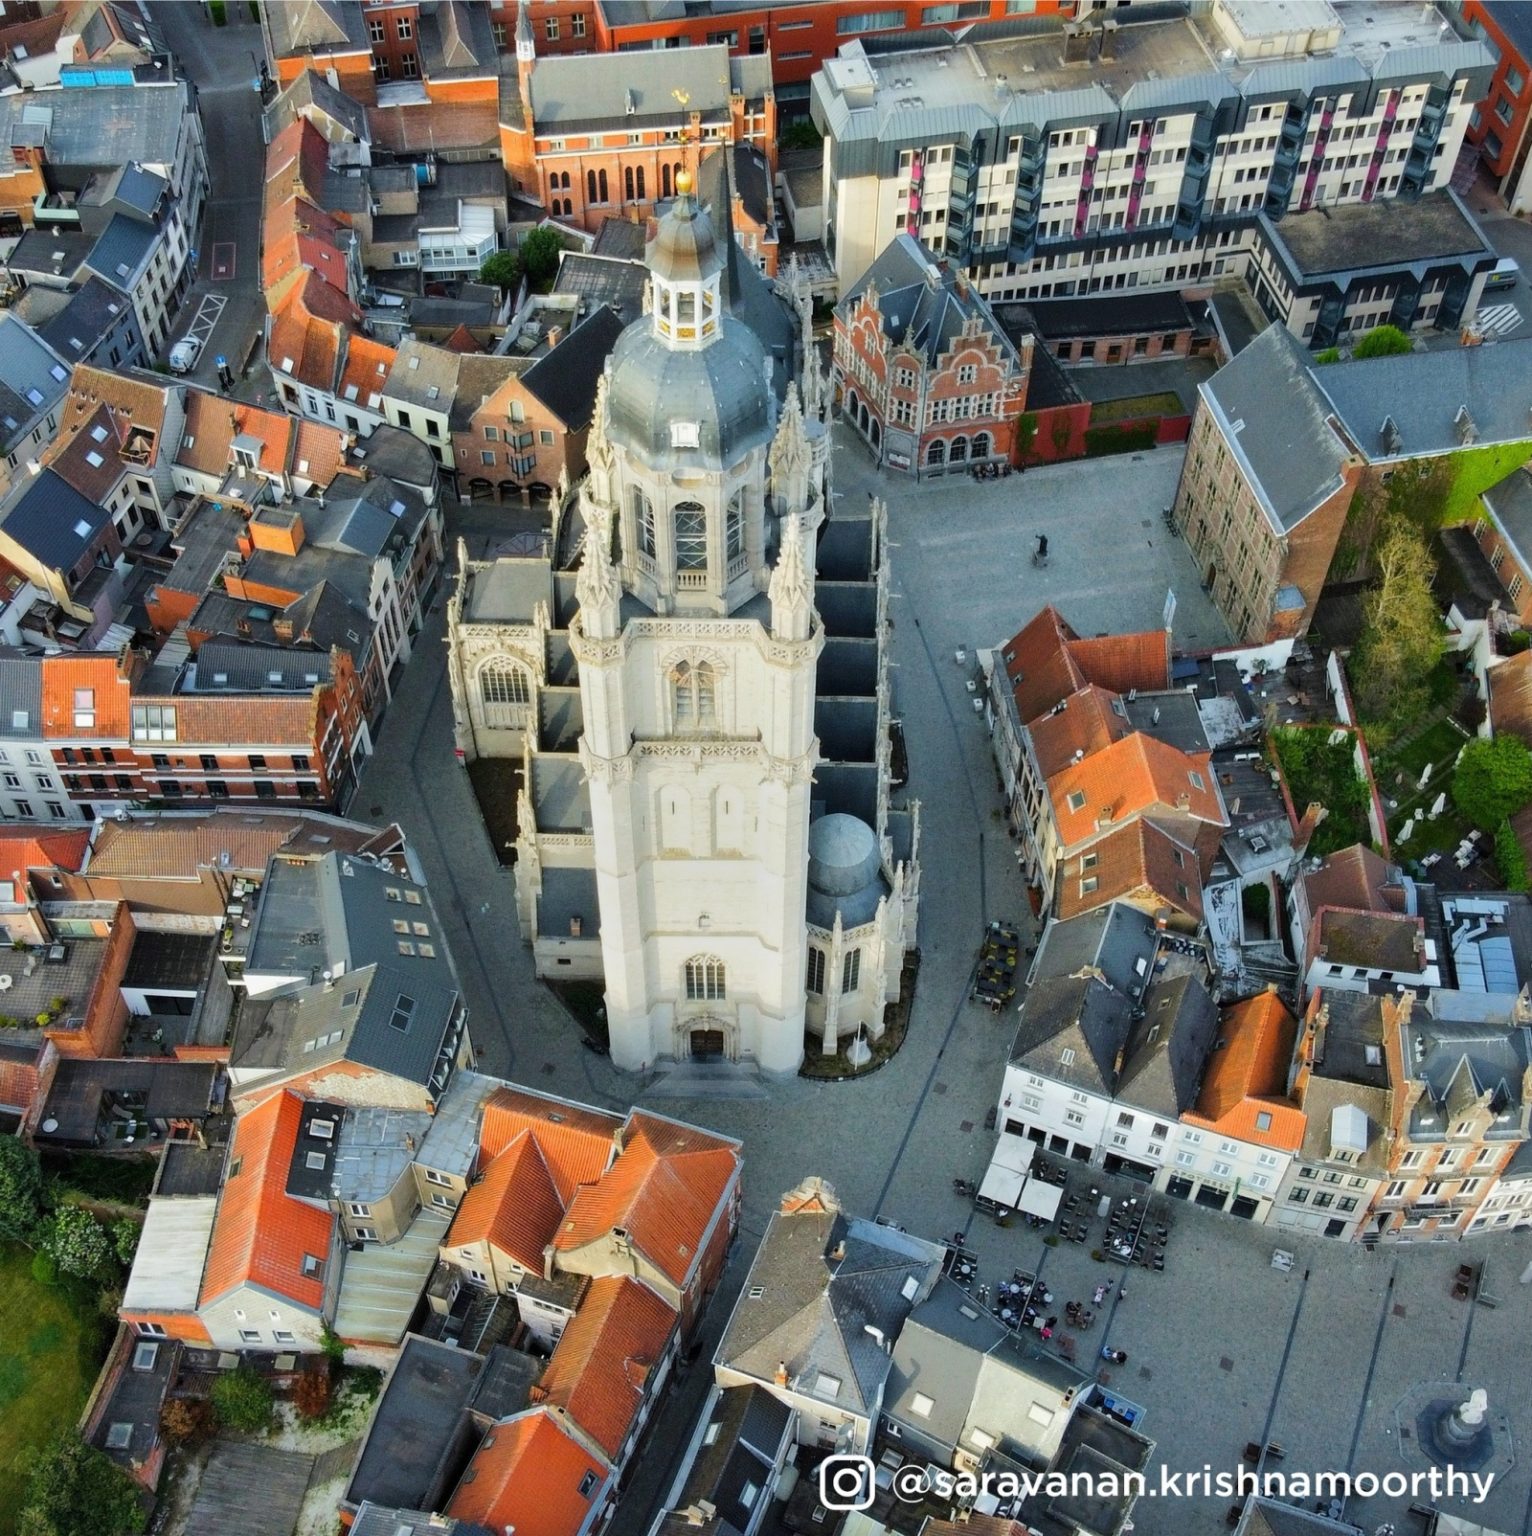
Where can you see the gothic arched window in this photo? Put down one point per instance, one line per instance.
(851, 970)
(937, 452)
(816, 976)
(693, 695)
(505, 690)
(640, 183)
(601, 182)
(734, 526)
(590, 186)
(691, 536)
(705, 979)
(627, 182)
(643, 522)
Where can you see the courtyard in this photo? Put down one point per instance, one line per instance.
(1321, 1354)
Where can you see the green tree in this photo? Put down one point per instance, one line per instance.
(1402, 637)
(539, 252)
(502, 270)
(1329, 355)
(21, 1190)
(243, 1400)
(1511, 858)
(125, 1236)
(74, 1490)
(80, 1245)
(1493, 780)
(1382, 341)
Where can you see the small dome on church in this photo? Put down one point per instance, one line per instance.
(722, 389)
(684, 249)
(845, 871)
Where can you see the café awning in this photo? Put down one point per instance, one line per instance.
(1040, 1199)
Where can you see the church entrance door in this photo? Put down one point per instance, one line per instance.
(707, 1045)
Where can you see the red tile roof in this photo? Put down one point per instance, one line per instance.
(576, 1143)
(663, 1190)
(603, 1360)
(212, 424)
(514, 1206)
(261, 1235)
(527, 1476)
(365, 370)
(1136, 774)
(1136, 859)
(309, 321)
(1510, 695)
(1354, 877)
(1047, 661)
(97, 673)
(245, 720)
(1244, 1087)
(27, 848)
(18, 1083)
(1085, 725)
(462, 340)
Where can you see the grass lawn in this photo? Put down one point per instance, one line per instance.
(50, 1351)
(1438, 745)
(122, 1180)
(1137, 407)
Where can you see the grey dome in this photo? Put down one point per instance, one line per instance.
(845, 871)
(722, 387)
(684, 248)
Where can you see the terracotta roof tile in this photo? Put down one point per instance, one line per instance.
(1353, 877)
(319, 452)
(309, 321)
(246, 719)
(605, 1356)
(664, 1191)
(64, 676)
(89, 458)
(513, 1206)
(1137, 858)
(1136, 774)
(527, 1476)
(212, 424)
(1047, 661)
(462, 340)
(366, 369)
(1244, 1086)
(1085, 724)
(141, 402)
(27, 848)
(261, 1235)
(576, 1143)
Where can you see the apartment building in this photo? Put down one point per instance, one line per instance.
(1279, 448)
(1113, 154)
(29, 783)
(1332, 274)
(1501, 119)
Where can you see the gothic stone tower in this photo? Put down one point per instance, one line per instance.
(697, 661)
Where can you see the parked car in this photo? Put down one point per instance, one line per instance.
(184, 355)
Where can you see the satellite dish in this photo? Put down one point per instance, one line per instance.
(50, 1125)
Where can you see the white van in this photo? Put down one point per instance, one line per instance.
(1503, 275)
(184, 355)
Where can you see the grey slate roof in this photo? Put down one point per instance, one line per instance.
(918, 313)
(1072, 1029)
(745, 1431)
(578, 88)
(21, 696)
(568, 893)
(419, 368)
(814, 1309)
(1168, 1048)
(605, 278)
(1510, 500)
(311, 89)
(52, 521)
(565, 379)
(1461, 1064)
(92, 310)
(51, 252)
(1117, 939)
(123, 251)
(33, 374)
(105, 126)
(300, 26)
(1272, 414)
(507, 591)
(236, 666)
(1422, 394)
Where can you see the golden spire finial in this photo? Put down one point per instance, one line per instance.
(683, 183)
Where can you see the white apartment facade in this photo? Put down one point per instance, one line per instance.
(1144, 160)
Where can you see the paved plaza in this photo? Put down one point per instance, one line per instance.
(1222, 1348)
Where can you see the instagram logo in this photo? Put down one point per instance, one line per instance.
(845, 1483)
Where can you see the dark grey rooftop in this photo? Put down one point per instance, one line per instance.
(1117, 939)
(416, 1426)
(187, 1169)
(21, 696)
(600, 278)
(309, 1173)
(1510, 500)
(1273, 417)
(169, 961)
(106, 126)
(568, 894)
(239, 666)
(93, 309)
(52, 521)
(169, 1089)
(565, 379)
(1437, 401)
(51, 252)
(1168, 1047)
(506, 591)
(1381, 235)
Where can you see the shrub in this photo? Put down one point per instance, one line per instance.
(501, 270)
(243, 1400)
(45, 1269)
(1382, 341)
(75, 1490)
(1510, 857)
(125, 1236)
(539, 251)
(1492, 780)
(21, 1190)
(1113, 438)
(333, 1345)
(188, 1420)
(1329, 355)
(313, 1393)
(80, 1245)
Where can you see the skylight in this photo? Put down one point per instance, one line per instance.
(82, 529)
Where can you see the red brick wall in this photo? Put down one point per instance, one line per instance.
(1518, 103)
(1509, 566)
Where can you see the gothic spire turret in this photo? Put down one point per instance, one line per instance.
(792, 585)
(598, 589)
(790, 457)
(600, 458)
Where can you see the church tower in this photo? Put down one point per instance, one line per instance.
(697, 641)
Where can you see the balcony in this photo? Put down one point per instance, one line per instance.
(691, 581)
